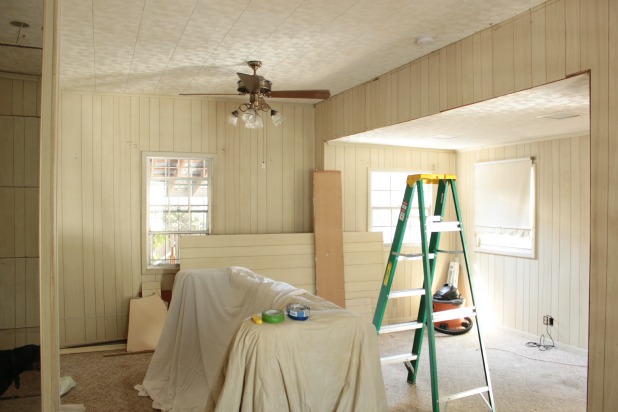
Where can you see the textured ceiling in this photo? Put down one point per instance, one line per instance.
(503, 120)
(184, 46)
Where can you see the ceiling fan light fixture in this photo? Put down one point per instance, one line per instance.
(277, 118)
(233, 118)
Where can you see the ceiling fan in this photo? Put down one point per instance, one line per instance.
(257, 87)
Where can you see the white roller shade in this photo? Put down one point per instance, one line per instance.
(504, 206)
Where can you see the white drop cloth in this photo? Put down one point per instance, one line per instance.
(210, 356)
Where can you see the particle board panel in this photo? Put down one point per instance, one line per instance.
(328, 228)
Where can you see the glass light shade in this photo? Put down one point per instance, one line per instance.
(249, 115)
(233, 118)
(277, 118)
(255, 122)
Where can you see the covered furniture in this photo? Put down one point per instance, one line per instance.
(211, 356)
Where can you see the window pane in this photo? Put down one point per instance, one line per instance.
(386, 196)
(177, 203)
(381, 217)
(380, 181)
(380, 198)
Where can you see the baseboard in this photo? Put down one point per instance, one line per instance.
(95, 348)
(535, 338)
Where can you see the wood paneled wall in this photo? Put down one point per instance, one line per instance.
(19, 212)
(517, 292)
(550, 42)
(355, 162)
(262, 184)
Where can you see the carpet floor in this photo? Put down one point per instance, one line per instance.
(523, 378)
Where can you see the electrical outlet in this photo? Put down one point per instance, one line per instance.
(548, 320)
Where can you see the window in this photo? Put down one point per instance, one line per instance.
(385, 197)
(504, 207)
(177, 203)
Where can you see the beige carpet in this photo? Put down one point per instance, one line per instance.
(524, 379)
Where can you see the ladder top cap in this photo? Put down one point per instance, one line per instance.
(429, 178)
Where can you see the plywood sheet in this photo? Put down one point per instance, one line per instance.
(328, 229)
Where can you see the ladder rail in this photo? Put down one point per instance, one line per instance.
(462, 238)
(428, 268)
(433, 246)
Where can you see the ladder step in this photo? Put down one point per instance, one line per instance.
(406, 292)
(400, 327)
(451, 314)
(412, 256)
(387, 360)
(465, 394)
(443, 227)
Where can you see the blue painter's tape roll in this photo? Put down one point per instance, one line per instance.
(298, 311)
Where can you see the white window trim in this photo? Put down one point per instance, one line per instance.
(164, 269)
(370, 208)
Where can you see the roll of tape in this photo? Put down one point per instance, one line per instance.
(273, 316)
(298, 311)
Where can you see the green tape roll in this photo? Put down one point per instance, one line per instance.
(273, 316)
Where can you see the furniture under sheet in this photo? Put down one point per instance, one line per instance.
(211, 356)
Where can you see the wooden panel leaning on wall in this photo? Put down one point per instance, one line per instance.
(290, 258)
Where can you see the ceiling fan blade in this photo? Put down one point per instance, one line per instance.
(300, 94)
(210, 94)
(250, 81)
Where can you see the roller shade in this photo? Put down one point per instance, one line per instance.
(504, 216)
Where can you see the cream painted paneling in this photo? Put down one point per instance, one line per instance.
(19, 220)
(517, 292)
(261, 184)
(355, 162)
(565, 37)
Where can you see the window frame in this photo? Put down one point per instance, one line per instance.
(429, 202)
(146, 155)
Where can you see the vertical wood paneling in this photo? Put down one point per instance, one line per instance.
(555, 41)
(537, 22)
(572, 37)
(503, 59)
(486, 65)
(598, 34)
(7, 131)
(101, 140)
(467, 70)
(403, 106)
(610, 379)
(520, 291)
(522, 50)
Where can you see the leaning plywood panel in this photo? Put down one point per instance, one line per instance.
(328, 228)
(282, 257)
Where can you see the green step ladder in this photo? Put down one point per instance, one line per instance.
(429, 255)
